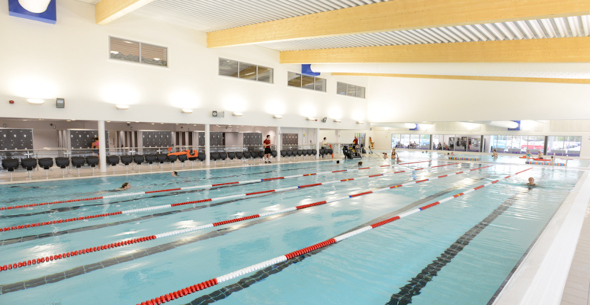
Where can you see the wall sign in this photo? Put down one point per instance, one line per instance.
(49, 15)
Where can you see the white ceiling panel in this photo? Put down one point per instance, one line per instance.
(214, 15)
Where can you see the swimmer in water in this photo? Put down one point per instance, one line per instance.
(338, 162)
(124, 187)
(531, 182)
(360, 163)
(174, 174)
(495, 154)
(384, 155)
(540, 155)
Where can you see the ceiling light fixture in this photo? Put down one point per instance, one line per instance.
(359, 122)
(36, 101)
(312, 119)
(122, 107)
(337, 121)
(155, 58)
(114, 52)
(277, 116)
(187, 110)
(237, 114)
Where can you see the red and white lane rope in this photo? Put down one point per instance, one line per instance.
(185, 188)
(212, 282)
(172, 205)
(216, 224)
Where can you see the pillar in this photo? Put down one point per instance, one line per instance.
(207, 144)
(102, 151)
(317, 143)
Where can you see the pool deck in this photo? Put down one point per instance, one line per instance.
(577, 287)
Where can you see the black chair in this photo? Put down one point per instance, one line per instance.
(29, 164)
(150, 159)
(182, 158)
(214, 156)
(299, 153)
(161, 158)
(239, 155)
(113, 161)
(10, 165)
(138, 159)
(231, 156)
(126, 160)
(78, 162)
(273, 153)
(283, 153)
(247, 155)
(202, 158)
(222, 156)
(46, 164)
(172, 159)
(193, 159)
(63, 163)
(92, 161)
(314, 153)
(322, 152)
(261, 154)
(290, 154)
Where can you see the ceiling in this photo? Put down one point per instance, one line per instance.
(209, 15)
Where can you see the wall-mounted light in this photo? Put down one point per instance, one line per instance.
(35, 6)
(122, 107)
(276, 116)
(36, 101)
(187, 110)
(359, 122)
(312, 119)
(337, 121)
(237, 114)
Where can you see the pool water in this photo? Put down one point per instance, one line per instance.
(438, 256)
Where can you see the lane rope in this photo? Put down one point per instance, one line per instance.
(220, 223)
(194, 187)
(215, 281)
(172, 205)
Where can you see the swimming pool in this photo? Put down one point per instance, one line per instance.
(458, 252)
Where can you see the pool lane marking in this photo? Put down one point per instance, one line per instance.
(283, 258)
(195, 187)
(221, 231)
(168, 206)
(417, 283)
(216, 224)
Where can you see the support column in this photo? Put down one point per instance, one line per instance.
(317, 143)
(337, 143)
(207, 144)
(278, 141)
(102, 144)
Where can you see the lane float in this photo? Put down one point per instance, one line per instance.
(544, 163)
(215, 281)
(463, 159)
(167, 206)
(229, 221)
(185, 188)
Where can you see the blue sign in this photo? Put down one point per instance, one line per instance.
(517, 128)
(306, 69)
(48, 16)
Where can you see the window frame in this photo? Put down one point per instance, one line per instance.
(140, 61)
(255, 79)
(355, 90)
(315, 78)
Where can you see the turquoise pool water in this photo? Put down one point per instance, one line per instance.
(438, 256)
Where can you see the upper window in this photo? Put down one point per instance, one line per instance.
(244, 70)
(134, 51)
(350, 90)
(306, 82)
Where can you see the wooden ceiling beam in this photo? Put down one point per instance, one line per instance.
(480, 78)
(396, 15)
(109, 10)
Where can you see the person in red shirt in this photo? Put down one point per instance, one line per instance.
(267, 149)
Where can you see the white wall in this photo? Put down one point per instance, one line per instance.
(70, 60)
(418, 100)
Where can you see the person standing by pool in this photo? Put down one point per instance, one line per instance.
(394, 155)
(495, 154)
(267, 150)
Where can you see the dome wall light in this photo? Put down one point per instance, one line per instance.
(337, 121)
(122, 107)
(360, 122)
(237, 114)
(35, 6)
(187, 110)
(36, 101)
(312, 119)
(277, 116)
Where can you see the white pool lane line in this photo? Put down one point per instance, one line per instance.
(172, 205)
(220, 223)
(212, 282)
(185, 188)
